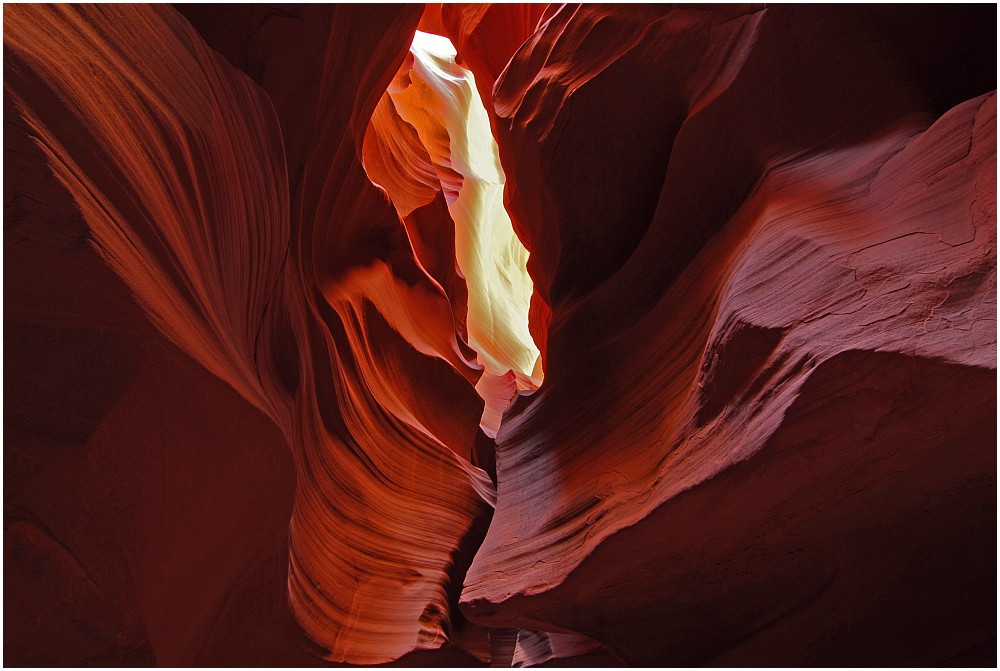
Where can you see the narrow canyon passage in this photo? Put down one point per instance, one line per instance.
(430, 140)
(500, 335)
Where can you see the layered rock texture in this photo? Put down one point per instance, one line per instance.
(507, 335)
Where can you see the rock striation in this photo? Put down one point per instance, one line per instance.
(500, 334)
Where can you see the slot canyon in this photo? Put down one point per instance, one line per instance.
(500, 335)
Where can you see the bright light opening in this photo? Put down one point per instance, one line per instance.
(439, 99)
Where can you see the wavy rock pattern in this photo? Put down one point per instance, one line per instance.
(162, 181)
(258, 352)
(693, 319)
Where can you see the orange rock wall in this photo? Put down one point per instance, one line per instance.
(245, 420)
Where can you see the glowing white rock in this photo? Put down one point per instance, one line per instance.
(439, 99)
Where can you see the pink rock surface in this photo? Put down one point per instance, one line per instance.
(799, 249)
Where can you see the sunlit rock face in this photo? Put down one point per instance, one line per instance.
(274, 276)
(430, 140)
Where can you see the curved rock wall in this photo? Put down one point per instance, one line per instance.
(245, 420)
(184, 190)
(778, 219)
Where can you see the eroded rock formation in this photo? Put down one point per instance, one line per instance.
(263, 330)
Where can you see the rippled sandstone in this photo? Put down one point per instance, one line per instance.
(263, 332)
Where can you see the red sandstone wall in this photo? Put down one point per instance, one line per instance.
(241, 426)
